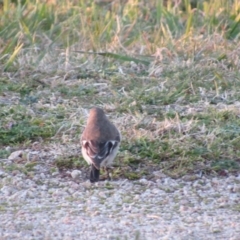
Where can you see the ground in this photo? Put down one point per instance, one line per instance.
(166, 74)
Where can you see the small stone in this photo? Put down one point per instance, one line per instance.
(15, 172)
(183, 208)
(143, 181)
(8, 148)
(102, 194)
(43, 187)
(76, 174)
(54, 174)
(2, 173)
(42, 175)
(17, 156)
(190, 177)
(19, 196)
(31, 194)
(159, 174)
(33, 156)
(6, 190)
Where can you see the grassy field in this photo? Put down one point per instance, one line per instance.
(166, 73)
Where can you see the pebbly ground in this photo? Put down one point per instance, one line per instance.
(48, 206)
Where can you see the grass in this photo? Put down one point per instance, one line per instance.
(167, 74)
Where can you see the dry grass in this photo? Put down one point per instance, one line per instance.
(172, 85)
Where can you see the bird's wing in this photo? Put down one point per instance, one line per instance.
(98, 151)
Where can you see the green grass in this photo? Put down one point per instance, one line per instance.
(20, 124)
(69, 163)
(167, 75)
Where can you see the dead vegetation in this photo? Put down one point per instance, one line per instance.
(167, 76)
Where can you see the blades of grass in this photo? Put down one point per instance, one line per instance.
(234, 30)
(189, 23)
(6, 5)
(187, 6)
(172, 22)
(159, 12)
(9, 46)
(222, 56)
(13, 56)
(124, 58)
(118, 57)
(167, 33)
(106, 31)
(25, 29)
(221, 79)
(216, 88)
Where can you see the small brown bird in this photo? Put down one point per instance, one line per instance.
(100, 142)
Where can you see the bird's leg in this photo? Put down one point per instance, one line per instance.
(94, 174)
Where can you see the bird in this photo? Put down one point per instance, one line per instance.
(100, 142)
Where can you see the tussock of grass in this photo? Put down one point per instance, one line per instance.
(179, 112)
(70, 163)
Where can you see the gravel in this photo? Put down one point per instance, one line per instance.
(46, 205)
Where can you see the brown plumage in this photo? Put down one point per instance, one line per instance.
(100, 142)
